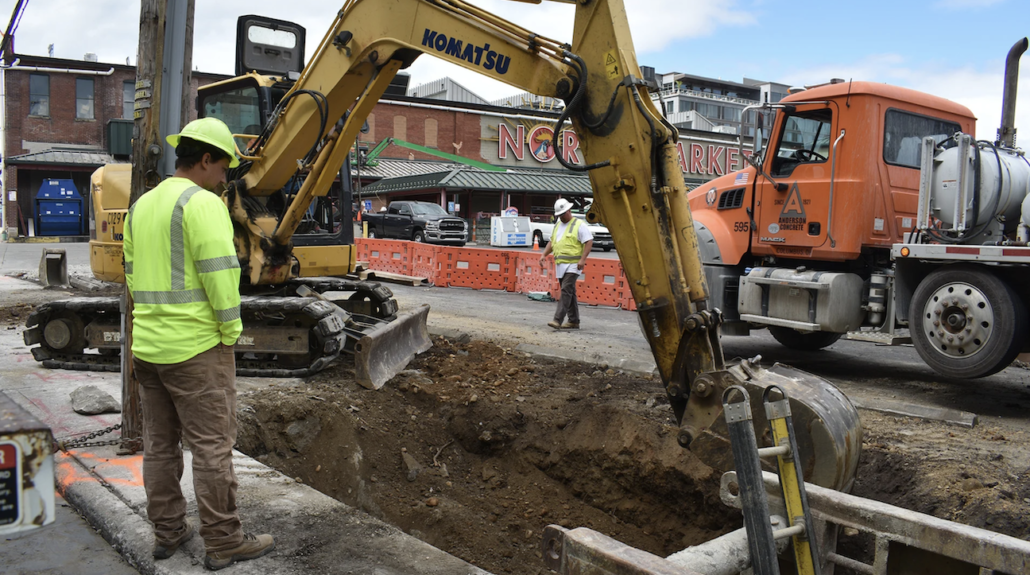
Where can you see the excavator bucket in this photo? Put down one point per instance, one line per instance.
(383, 349)
(53, 268)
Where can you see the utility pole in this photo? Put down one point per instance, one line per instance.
(163, 62)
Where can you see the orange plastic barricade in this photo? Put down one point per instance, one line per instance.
(602, 283)
(423, 261)
(391, 256)
(530, 277)
(362, 248)
(475, 268)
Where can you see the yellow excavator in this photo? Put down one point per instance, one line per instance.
(295, 130)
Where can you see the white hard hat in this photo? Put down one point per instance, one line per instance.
(562, 206)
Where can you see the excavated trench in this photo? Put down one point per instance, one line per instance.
(475, 450)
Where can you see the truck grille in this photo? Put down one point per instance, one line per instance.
(452, 226)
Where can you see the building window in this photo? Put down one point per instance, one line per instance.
(670, 107)
(431, 130)
(400, 127)
(39, 95)
(84, 98)
(128, 97)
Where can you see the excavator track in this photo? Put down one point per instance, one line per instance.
(284, 335)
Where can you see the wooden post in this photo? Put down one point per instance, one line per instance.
(161, 25)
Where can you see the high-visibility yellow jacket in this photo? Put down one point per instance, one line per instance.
(567, 249)
(182, 272)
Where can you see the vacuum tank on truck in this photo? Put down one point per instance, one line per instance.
(875, 215)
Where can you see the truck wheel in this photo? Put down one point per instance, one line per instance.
(966, 322)
(794, 339)
(419, 236)
(371, 234)
(539, 238)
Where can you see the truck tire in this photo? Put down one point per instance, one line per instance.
(976, 305)
(539, 238)
(371, 233)
(794, 339)
(419, 236)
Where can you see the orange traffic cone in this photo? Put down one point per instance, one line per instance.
(536, 244)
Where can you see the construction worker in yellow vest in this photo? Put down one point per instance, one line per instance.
(183, 275)
(571, 242)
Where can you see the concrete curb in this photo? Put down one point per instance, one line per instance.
(953, 416)
(641, 368)
(314, 533)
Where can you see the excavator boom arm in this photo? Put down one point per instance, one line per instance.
(629, 150)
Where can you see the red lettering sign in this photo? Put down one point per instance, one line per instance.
(570, 143)
(714, 155)
(697, 154)
(506, 140)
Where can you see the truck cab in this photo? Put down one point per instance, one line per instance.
(836, 187)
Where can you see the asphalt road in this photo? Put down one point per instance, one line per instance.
(859, 368)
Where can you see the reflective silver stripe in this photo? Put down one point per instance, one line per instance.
(170, 297)
(128, 268)
(227, 315)
(217, 264)
(177, 245)
(132, 208)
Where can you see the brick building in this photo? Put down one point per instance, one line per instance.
(62, 119)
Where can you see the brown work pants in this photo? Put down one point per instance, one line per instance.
(568, 305)
(197, 400)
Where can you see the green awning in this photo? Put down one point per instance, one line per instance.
(466, 178)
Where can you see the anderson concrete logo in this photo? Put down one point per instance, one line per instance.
(481, 56)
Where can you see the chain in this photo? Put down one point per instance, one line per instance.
(84, 441)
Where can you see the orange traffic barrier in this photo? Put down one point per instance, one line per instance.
(392, 256)
(530, 277)
(475, 268)
(423, 261)
(602, 283)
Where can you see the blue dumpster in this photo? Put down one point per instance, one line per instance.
(58, 209)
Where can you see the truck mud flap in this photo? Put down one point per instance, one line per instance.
(384, 349)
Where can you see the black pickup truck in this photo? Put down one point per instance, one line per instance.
(417, 221)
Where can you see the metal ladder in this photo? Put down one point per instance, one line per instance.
(754, 501)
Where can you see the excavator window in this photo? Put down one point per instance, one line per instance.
(804, 139)
(903, 134)
(239, 108)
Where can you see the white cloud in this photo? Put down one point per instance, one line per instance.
(966, 4)
(977, 87)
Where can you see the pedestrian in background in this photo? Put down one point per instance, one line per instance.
(182, 272)
(571, 242)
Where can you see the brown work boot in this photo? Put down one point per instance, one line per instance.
(570, 325)
(554, 324)
(252, 547)
(165, 549)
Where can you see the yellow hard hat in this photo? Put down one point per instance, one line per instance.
(210, 131)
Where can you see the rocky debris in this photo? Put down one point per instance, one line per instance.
(91, 400)
(303, 432)
(411, 464)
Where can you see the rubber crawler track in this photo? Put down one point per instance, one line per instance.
(328, 331)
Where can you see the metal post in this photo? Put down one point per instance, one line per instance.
(755, 502)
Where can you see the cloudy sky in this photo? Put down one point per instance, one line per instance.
(949, 48)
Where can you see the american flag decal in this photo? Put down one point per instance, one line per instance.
(741, 178)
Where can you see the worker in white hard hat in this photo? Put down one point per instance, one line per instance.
(184, 277)
(571, 242)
